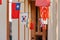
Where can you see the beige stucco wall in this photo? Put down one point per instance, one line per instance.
(3, 18)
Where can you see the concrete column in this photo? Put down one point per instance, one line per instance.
(29, 21)
(52, 21)
(26, 27)
(21, 24)
(58, 19)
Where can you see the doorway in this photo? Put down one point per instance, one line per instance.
(37, 33)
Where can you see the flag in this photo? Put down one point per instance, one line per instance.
(44, 12)
(15, 10)
(42, 2)
(0, 1)
(31, 26)
(24, 17)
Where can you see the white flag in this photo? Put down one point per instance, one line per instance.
(23, 17)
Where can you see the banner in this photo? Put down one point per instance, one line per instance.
(24, 18)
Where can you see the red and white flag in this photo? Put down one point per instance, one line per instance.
(0, 1)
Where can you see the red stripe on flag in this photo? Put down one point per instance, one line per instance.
(15, 13)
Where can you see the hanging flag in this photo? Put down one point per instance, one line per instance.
(31, 25)
(44, 12)
(15, 10)
(0, 1)
(42, 3)
(24, 17)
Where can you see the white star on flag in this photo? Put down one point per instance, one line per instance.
(17, 6)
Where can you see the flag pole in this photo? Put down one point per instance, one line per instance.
(19, 25)
(18, 28)
(8, 29)
(24, 24)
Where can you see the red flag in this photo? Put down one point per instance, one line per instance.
(0, 1)
(44, 12)
(15, 10)
(31, 26)
(42, 3)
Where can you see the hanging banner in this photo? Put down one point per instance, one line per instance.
(24, 18)
(42, 3)
(44, 12)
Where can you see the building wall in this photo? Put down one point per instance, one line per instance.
(58, 19)
(24, 8)
(52, 21)
(3, 18)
